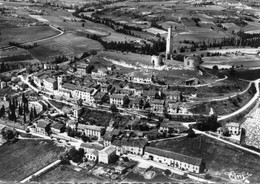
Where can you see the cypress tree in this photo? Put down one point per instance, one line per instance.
(35, 113)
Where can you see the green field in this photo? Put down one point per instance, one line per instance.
(225, 106)
(248, 74)
(66, 173)
(220, 158)
(25, 157)
(26, 34)
(68, 44)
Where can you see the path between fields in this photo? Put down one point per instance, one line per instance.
(41, 171)
(255, 97)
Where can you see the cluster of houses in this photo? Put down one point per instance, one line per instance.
(95, 90)
(113, 142)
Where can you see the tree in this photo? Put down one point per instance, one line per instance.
(167, 172)
(215, 67)
(31, 114)
(146, 105)
(191, 133)
(24, 118)
(126, 101)
(35, 113)
(9, 134)
(226, 132)
(141, 104)
(2, 111)
(76, 155)
(113, 108)
(80, 102)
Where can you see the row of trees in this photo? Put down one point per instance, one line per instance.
(150, 49)
(252, 40)
(22, 108)
(155, 48)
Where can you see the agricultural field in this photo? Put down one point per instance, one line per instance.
(26, 34)
(221, 89)
(156, 31)
(227, 61)
(135, 176)
(68, 44)
(252, 27)
(226, 106)
(220, 158)
(25, 157)
(78, 1)
(67, 173)
(248, 74)
(129, 58)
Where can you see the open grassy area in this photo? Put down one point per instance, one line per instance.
(248, 74)
(25, 157)
(129, 58)
(159, 177)
(68, 44)
(223, 88)
(226, 106)
(26, 34)
(218, 156)
(66, 173)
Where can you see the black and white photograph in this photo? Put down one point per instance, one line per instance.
(130, 91)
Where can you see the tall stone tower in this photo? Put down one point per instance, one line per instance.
(169, 43)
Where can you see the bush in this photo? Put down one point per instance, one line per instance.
(207, 176)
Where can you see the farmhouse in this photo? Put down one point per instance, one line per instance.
(117, 99)
(57, 127)
(136, 103)
(101, 72)
(105, 88)
(180, 161)
(92, 155)
(173, 95)
(233, 128)
(50, 84)
(91, 130)
(100, 97)
(150, 94)
(141, 77)
(172, 126)
(172, 107)
(83, 93)
(82, 69)
(107, 154)
(133, 146)
(91, 150)
(38, 78)
(41, 127)
(76, 111)
(157, 106)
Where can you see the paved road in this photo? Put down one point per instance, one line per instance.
(27, 179)
(227, 97)
(255, 97)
